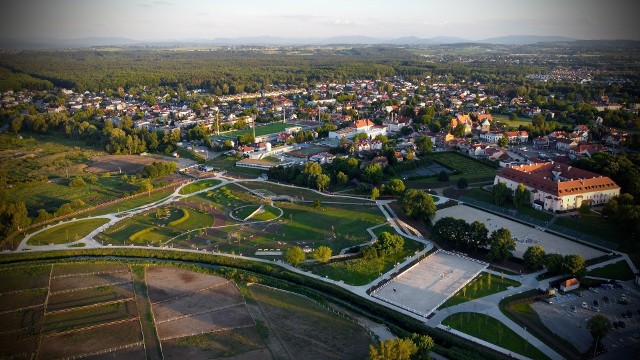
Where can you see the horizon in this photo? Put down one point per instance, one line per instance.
(162, 21)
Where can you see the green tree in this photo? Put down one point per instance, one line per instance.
(585, 209)
(502, 244)
(395, 187)
(77, 182)
(322, 254)
(534, 257)
(479, 235)
(372, 173)
(574, 265)
(321, 181)
(553, 262)
(294, 255)
(393, 349)
(599, 326)
(522, 196)
(425, 344)
(18, 215)
(145, 186)
(375, 193)
(424, 144)
(501, 194)
(341, 178)
(388, 244)
(503, 142)
(417, 204)
(459, 130)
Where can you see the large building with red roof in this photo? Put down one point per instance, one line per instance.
(559, 187)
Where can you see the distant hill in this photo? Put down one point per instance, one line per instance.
(523, 39)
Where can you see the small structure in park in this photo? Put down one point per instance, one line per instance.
(570, 284)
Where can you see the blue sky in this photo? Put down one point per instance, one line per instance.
(210, 19)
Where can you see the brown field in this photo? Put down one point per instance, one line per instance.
(214, 298)
(167, 282)
(12, 345)
(239, 344)
(301, 329)
(69, 300)
(86, 268)
(83, 318)
(28, 319)
(224, 319)
(132, 353)
(83, 281)
(89, 341)
(117, 163)
(22, 299)
(13, 279)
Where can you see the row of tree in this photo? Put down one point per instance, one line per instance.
(535, 258)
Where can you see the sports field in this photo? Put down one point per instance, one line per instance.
(261, 130)
(426, 285)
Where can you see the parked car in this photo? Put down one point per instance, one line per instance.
(595, 308)
(584, 305)
(573, 308)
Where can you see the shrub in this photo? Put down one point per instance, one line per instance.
(77, 182)
(185, 216)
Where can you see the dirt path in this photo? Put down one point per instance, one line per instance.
(152, 345)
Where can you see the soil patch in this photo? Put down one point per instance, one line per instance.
(86, 268)
(166, 282)
(239, 344)
(117, 163)
(79, 282)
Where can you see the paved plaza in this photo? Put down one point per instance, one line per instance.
(526, 235)
(426, 285)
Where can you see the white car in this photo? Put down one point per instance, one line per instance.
(584, 305)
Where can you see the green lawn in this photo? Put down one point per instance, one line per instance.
(489, 329)
(594, 225)
(362, 272)
(480, 287)
(198, 185)
(245, 211)
(618, 271)
(487, 196)
(131, 203)
(524, 121)
(260, 130)
(66, 233)
(462, 164)
(298, 193)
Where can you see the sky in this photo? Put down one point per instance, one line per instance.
(153, 20)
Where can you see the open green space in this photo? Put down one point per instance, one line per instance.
(67, 232)
(131, 203)
(521, 121)
(489, 329)
(360, 271)
(487, 197)
(243, 212)
(299, 193)
(260, 130)
(198, 185)
(460, 163)
(482, 285)
(618, 271)
(594, 225)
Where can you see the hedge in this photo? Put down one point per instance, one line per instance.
(185, 216)
(135, 236)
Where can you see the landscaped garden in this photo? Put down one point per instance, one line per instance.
(198, 185)
(483, 285)
(66, 233)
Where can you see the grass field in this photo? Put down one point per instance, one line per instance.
(362, 272)
(62, 301)
(77, 319)
(131, 203)
(524, 121)
(479, 287)
(22, 278)
(198, 185)
(470, 169)
(594, 225)
(487, 196)
(489, 329)
(66, 233)
(299, 193)
(22, 299)
(618, 271)
(260, 130)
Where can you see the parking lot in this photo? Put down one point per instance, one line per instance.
(570, 324)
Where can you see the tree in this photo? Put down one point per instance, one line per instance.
(462, 183)
(479, 235)
(502, 244)
(522, 196)
(585, 209)
(425, 344)
(341, 178)
(294, 255)
(534, 257)
(395, 187)
(77, 182)
(388, 244)
(316, 204)
(513, 117)
(372, 173)
(553, 262)
(417, 204)
(501, 194)
(503, 142)
(322, 180)
(424, 144)
(574, 265)
(393, 349)
(375, 193)
(322, 254)
(599, 326)
(145, 186)
(459, 130)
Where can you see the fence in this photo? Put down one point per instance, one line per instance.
(537, 222)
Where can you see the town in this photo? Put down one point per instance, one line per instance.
(460, 188)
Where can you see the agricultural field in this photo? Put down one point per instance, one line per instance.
(297, 328)
(66, 233)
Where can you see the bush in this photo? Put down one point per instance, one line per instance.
(77, 182)
(137, 235)
(463, 183)
(443, 176)
(185, 217)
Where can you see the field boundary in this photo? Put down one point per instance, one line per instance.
(91, 327)
(91, 273)
(175, 318)
(190, 293)
(88, 287)
(104, 351)
(89, 306)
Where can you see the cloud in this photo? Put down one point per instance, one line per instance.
(162, 3)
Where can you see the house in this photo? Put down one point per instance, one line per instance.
(559, 187)
(485, 126)
(565, 144)
(462, 119)
(517, 137)
(541, 142)
(570, 284)
(588, 149)
(362, 125)
(396, 123)
(492, 136)
(245, 150)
